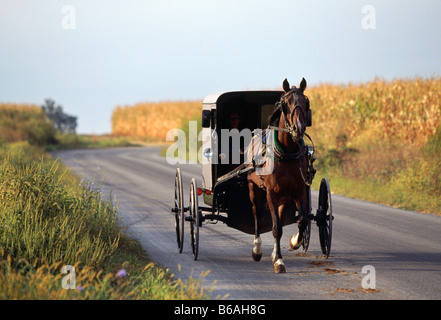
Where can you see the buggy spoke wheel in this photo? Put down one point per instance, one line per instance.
(306, 236)
(324, 217)
(307, 232)
(194, 218)
(179, 210)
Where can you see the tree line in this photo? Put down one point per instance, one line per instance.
(62, 122)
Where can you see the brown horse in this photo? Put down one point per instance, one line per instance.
(285, 183)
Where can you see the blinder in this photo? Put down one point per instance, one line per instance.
(308, 119)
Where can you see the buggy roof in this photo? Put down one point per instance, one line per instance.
(214, 98)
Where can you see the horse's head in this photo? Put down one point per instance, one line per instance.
(295, 109)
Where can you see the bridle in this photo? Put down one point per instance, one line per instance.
(290, 128)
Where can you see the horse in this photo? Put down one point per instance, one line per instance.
(285, 182)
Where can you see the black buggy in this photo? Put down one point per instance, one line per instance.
(224, 185)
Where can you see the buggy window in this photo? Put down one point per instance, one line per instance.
(266, 111)
(253, 109)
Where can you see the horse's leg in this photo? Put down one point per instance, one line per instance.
(279, 266)
(296, 240)
(257, 249)
(255, 194)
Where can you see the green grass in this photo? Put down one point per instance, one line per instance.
(386, 176)
(47, 215)
(50, 218)
(385, 192)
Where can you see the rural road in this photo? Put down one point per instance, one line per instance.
(404, 248)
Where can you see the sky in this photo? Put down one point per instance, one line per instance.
(91, 56)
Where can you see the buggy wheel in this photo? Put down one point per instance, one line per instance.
(306, 236)
(179, 210)
(307, 231)
(194, 218)
(324, 217)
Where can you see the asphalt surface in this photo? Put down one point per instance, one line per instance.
(401, 249)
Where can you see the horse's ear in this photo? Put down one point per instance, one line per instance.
(286, 85)
(303, 85)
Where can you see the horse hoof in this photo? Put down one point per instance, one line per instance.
(279, 267)
(295, 242)
(256, 256)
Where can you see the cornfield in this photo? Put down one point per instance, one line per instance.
(20, 122)
(379, 140)
(153, 120)
(408, 111)
(401, 111)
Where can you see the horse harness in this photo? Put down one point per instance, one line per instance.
(279, 154)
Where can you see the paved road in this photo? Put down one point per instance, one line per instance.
(404, 248)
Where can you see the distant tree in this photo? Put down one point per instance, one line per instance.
(62, 122)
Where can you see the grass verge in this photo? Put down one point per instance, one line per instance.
(49, 219)
(73, 141)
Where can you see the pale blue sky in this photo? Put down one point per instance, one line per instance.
(124, 52)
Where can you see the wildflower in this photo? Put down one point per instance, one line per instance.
(80, 288)
(121, 273)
